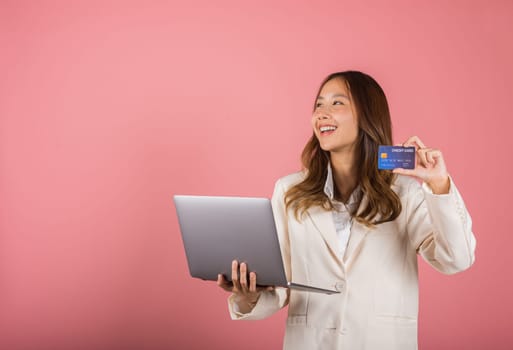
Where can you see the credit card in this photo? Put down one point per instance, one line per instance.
(391, 157)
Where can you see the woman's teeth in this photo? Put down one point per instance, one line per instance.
(327, 128)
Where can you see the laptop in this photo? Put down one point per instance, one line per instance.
(217, 230)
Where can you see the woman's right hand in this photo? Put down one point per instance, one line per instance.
(246, 294)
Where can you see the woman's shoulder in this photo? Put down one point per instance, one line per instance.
(291, 180)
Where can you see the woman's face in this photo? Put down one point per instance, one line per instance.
(334, 121)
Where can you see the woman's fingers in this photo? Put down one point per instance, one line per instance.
(433, 155)
(221, 282)
(422, 153)
(235, 276)
(244, 283)
(415, 142)
(402, 171)
(429, 157)
(252, 282)
(243, 277)
(430, 165)
(240, 277)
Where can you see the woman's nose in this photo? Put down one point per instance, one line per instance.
(322, 112)
(321, 115)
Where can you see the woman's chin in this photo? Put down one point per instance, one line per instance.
(327, 147)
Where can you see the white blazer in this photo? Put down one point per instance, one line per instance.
(378, 278)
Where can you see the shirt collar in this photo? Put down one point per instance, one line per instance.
(329, 188)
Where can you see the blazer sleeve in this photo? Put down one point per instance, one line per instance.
(440, 228)
(270, 302)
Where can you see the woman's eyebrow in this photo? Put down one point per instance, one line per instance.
(337, 95)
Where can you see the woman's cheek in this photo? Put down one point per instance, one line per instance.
(312, 122)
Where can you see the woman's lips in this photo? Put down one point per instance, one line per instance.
(326, 130)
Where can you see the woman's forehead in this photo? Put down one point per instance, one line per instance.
(333, 87)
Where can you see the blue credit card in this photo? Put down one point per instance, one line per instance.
(391, 157)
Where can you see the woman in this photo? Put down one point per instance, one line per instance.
(344, 224)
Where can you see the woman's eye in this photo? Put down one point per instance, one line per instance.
(318, 105)
(337, 103)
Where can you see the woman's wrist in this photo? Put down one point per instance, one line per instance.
(244, 303)
(440, 186)
(245, 300)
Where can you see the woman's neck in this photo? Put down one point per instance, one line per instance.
(345, 174)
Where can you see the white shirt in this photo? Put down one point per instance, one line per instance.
(342, 213)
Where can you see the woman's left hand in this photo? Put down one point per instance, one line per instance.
(430, 166)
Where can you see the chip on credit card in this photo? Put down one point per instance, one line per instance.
(391, 157)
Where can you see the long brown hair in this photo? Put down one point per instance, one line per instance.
(374, 129)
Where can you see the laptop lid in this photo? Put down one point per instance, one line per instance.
(217, 230)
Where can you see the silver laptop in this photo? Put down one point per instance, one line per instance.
(218, 230)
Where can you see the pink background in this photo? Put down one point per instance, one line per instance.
(107, 109)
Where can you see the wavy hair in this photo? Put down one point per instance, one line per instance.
(374, 129)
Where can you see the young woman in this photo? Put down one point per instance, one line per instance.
(344, 224)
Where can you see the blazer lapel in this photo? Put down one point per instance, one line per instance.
(358, 234)
(323, 222)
